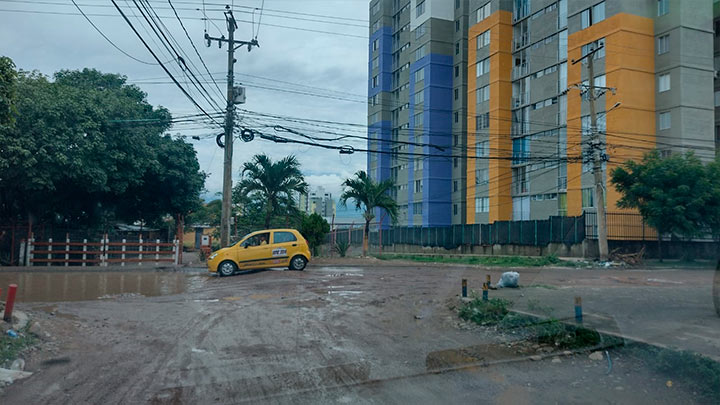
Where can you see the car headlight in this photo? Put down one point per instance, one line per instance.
(212, 256)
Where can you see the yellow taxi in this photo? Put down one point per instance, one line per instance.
(262, 249)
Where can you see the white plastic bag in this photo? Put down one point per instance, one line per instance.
(509, 279)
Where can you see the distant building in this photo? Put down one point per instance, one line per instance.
(317, 202)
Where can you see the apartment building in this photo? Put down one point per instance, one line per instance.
(494, 85)
(716, 61)
(318, 201)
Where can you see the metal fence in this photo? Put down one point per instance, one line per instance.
(569, 230)
(626, 226)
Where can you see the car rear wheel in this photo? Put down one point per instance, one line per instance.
(227, 268)
(297, 263)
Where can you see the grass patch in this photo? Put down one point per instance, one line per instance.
(496, 312)
(697, 371)
(498, 261)
(10, 347)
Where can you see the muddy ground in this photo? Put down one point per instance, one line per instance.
(366, 334)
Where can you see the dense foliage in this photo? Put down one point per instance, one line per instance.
(87, 149)
(266, 190)
(314, 228)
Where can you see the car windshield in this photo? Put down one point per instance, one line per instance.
(476, 201)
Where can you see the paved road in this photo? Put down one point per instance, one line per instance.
(352, 334)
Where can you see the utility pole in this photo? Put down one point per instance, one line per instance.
(229, 119)
(597, 159)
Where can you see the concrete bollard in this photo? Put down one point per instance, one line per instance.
(10, 302)
(464, 288)
(485, 292)
(578, 310)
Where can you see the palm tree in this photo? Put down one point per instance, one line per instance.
(370, 195)
(272, 184)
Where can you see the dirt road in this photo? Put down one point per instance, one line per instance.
(372, 334)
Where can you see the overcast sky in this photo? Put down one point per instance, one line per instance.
(315, 61)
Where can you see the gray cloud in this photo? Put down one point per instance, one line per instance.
(49, 43)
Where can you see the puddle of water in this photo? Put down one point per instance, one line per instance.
(85, 286)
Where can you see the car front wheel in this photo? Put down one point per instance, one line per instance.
(297, 263)
(227, 268)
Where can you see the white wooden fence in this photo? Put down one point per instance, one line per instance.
(98, 253)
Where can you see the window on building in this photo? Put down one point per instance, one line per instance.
(420, 75)
(375, 8)
(562, 14)
(663, 82)
(482, 149)
(588, 198)
(420, 9)
(482, 204)
(483, 94)
(663, 44)
(456, 116)
(481, 176)
(376, 45)
(717, 98)
(375, 118)
(599, 45)
(420, 52)
(482, 121)
(482, 67)
(419, 97)
(483, 12)
(456, 94)
(419, 119)
(483, 39)
(662, 7)
(521, 180)
(457, 25)
(418, 186)
(455, 140)
(376, 63)
(455, 209)
(592, 15)
(457, 4)
(417, 208)
(457, 48)
(375, 81)
(455, 186)
(455, 162)
(457, 71)
(421, 30)
(664, 120)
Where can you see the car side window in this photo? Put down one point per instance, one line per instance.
(284, 237)
(257, 240)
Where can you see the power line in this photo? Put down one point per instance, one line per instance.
(169, 46)
(162, 65)
(195, 48)
(108, 39)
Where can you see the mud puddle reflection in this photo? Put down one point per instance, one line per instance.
(85, 286)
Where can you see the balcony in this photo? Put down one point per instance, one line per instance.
(520, 70)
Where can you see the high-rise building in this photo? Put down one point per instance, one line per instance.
(317, 201)
(479, 114)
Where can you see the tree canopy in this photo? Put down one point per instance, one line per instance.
(266, 189)
(87, 149)
(672, 193)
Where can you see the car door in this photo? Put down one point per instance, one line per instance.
(283, 248)
(255, 252)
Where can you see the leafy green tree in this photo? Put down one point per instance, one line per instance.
(369, 195)
(87, 149)
(670, 193)
(270, 185)
(206, 214)
(8, 87)
(314, 228)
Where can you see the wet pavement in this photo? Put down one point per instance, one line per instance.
(333, 335)
(56, 286)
